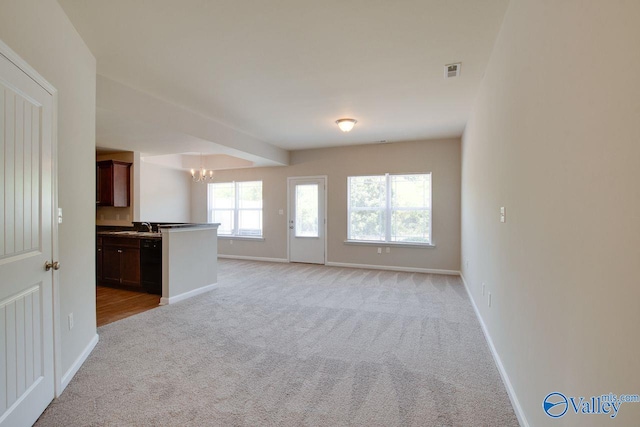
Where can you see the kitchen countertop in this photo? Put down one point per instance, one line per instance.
(192, 225)
(131, 234)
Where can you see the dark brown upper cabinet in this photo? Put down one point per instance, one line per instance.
(113, 183)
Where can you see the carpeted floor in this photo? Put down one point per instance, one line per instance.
(294, 345)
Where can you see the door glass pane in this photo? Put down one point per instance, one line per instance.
(307, 210)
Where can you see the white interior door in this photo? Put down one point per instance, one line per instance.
(26, 207)
(307, 219)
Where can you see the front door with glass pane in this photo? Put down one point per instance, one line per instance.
(307, 220)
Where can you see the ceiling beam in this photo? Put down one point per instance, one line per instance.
(163, 115)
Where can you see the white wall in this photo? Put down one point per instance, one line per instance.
(441, 157)
(165, 194)
(554, 137)
(189, 262)
(40, 32)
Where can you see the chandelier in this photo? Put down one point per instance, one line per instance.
(203, 175)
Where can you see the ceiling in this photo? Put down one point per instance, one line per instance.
(282, 71)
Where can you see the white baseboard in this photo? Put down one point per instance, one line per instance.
(68, 376)
(496, 358)
(394, 268)
(253, 258)
(183, 296)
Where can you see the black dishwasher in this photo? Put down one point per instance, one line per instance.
(151, 265)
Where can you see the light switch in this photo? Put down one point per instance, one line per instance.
(503, 214)
(59, 215)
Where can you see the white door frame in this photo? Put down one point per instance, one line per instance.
(13, 57)
(289, 201)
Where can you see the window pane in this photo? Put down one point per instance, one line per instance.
(250, 222)
(405, 217)
(410, 191)
(367, 225)
(250, 195)
(222, 195)
(410, 226)
(246, 210)
(367, 191)
(225, 218)
(307, 210)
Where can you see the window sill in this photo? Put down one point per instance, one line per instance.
(254, 239)
(385, 244)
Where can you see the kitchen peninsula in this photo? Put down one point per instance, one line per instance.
(176, 261)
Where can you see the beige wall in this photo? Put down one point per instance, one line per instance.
(554, 137)
(441, 157)
(165, 194)
(40, 32)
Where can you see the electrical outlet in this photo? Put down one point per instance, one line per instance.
(489, 300)
(70, 321)
(482, 288)
(379, 251)
(388, 250)
(281, 212)
(231, 242)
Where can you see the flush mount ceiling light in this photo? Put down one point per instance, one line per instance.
(346, 125)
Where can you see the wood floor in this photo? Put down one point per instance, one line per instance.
(115, 304)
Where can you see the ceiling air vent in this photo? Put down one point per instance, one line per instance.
(452, 70)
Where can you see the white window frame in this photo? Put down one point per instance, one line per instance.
(388, 211)
(236, 210)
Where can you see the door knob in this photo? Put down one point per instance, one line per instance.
(49, 265)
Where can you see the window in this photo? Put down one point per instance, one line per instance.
(237, 206)
(390, 208)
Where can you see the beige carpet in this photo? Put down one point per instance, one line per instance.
(294, 345)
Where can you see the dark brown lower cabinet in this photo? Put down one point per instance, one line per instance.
(130, 267)
(120, 262)
(98, 259)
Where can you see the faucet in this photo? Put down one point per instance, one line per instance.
(146, 224)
